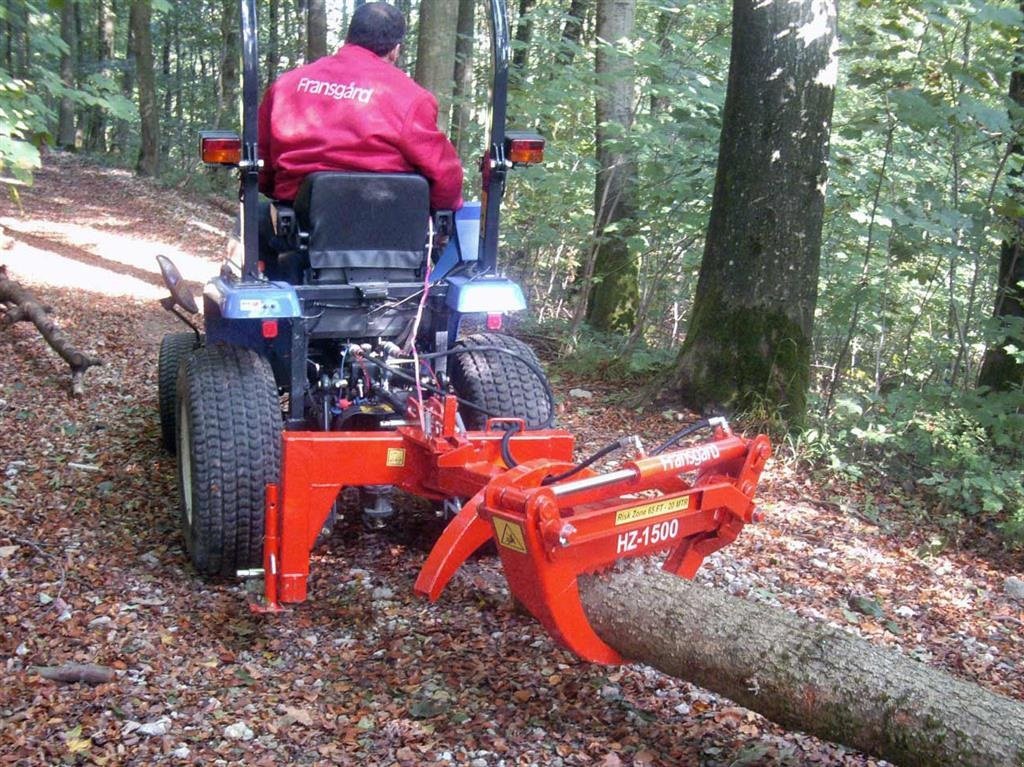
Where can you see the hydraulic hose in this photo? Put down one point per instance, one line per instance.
(506, 452)
(685, 432)
(619, 444)
(434, 390)
(530, 365)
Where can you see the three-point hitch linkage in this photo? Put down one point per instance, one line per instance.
(553, 520)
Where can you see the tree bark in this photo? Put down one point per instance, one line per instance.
(524, 33)
(273, 44)
(122, 128)
(748, 342)
(227, 90)
(22, 306)
(614, 292)
(463, 115)
(572, 31)
(316, 30)
(999, 369)
(66, 111)
(435, 53)
(96, 133)
(73, 673)
(148, 163)
(804, 676)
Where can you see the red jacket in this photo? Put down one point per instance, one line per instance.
(353, 111)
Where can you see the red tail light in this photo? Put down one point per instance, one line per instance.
(220, 147)
(524, 148)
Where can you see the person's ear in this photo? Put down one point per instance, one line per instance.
(392, 55)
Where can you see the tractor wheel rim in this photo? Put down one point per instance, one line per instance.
(185, 461)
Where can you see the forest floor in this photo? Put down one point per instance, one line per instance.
(365, 672)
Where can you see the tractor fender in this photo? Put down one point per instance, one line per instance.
(253, 300)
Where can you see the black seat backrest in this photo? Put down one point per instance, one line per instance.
(364, 227)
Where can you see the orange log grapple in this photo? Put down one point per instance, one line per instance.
(552, 519)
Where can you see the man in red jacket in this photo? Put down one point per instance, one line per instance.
(356, 111)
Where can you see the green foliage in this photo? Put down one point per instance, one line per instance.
(604, 356)
(965, 454)
(22, 126)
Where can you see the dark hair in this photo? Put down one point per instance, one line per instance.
(376, 26)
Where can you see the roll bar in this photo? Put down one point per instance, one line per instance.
(495, 157)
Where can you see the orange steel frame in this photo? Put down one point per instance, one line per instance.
(690, 501)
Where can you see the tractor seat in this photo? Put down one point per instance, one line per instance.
(364, 227)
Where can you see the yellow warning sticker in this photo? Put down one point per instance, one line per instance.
(510, 535)
(396, 456)
(648, 510)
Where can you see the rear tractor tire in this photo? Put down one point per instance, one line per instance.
(174, 347)
(229, 448)
(500, 383)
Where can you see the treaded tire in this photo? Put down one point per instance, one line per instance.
(499, 382)
(173, 348)
(229, 448)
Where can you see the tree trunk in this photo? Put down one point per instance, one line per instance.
(96, 135)
(316, 30)
(148, 163)
(572, 31)
(463, 77)
(999, 369)
(802, 675)
(122, 128)
(748, 342)
(66, 112)
(227, 90)
(524, 31)
(435, 53)
(273, 44)
(614, 292)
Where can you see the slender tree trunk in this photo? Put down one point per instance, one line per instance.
(572, 31)
(148, 163)
(9, 32)
(227, 83)
(748, 342)
(435, 53)
(804, 675)
(122, 127)
(66, 111)
(96, 135)
(614, 292)
(463, 115)
(273, 51)
(663, 36)
(301, 29)
(524, 31)
(316, 29)
(999, 369)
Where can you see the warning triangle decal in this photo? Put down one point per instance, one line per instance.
(510, 535)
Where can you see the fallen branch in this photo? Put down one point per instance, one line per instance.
(805, 676)
(22, 306)
(73, 673)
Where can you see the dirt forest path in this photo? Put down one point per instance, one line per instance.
(92, 571)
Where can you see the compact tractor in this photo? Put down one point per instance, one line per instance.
(343, 365)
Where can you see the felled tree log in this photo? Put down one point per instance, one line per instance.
(805, 676)
(72, 673)
(22, 306)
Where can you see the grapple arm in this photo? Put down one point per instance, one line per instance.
(690, 501)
